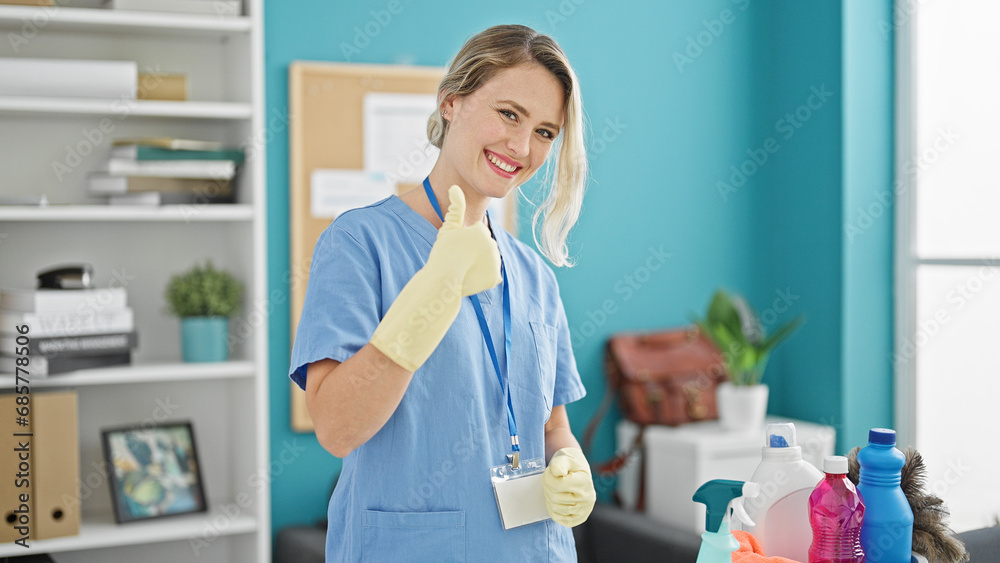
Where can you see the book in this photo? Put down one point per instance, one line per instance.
(64, 346)
(64, 78)
(150, 152)
(212, 169)
(162, 86)
(40, 366)
(167, 198)
(83, 301)
(171, 143)
(41, 325)
(206, 7)
(106, 184)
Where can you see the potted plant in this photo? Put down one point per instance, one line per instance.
(736, 330)
(204, 298)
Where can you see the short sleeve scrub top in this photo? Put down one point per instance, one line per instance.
(420, 489)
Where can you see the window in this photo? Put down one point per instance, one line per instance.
(947, 355)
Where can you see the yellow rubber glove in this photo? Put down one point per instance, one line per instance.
(463, 261)
(569, 487)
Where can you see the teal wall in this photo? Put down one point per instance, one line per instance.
(867, 233)
(676, 94)
(799, 200)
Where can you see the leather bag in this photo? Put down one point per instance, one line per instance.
(664, 377)
(667, 377)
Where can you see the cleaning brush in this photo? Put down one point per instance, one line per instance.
(932, 537)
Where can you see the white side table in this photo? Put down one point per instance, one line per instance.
(680, 459)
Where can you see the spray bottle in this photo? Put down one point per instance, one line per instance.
(719, 496)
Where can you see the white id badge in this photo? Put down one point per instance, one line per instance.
(519, 494)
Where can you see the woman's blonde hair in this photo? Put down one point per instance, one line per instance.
(480, 59)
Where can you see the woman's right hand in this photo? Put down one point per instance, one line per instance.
(351, 406)
(464, 260)
(468, 255)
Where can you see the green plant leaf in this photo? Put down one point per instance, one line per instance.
(784, 332)
(722, 312)
(733, 326)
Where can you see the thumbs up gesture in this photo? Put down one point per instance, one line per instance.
(463, 261)
(468, 255)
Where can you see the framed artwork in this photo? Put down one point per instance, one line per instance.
(154, 471)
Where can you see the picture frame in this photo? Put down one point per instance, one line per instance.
(153, 471)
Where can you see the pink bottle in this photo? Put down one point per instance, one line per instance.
(836, 511)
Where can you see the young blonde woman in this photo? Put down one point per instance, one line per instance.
(433, 346)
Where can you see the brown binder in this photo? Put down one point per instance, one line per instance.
(56, 467)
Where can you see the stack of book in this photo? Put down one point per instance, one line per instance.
(157, 171)
(68, 329)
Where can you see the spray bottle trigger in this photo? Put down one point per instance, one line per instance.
(750, 490)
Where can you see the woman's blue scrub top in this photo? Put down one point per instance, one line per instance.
(420, 489)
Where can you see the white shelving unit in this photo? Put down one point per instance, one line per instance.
(140, 248)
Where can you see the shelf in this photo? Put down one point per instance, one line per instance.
(100, 530)
(120, 109)
(121, 21)
(140, 373)
(124, 213)
(223, 58)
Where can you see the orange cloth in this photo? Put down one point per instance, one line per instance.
(750, 550)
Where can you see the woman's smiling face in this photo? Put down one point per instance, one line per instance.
(501, 134)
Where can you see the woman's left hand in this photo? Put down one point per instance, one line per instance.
(569, 487)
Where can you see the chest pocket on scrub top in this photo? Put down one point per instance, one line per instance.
(413, 536)
(536, 385)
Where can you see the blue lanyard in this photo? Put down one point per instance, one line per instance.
(511, 424)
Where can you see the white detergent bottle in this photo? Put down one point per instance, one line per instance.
(781, 509)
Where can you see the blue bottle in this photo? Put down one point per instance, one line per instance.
(887, 530)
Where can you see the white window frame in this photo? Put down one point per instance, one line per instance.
(906, 262)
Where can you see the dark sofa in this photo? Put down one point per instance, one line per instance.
(610, 535)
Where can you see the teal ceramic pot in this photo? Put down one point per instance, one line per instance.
(204, 339)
